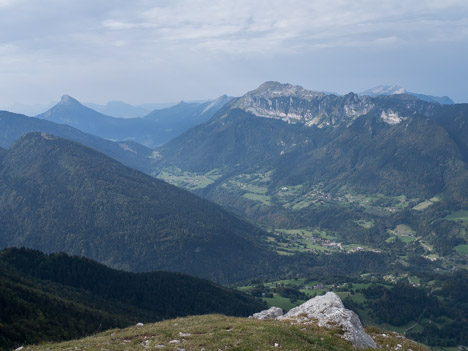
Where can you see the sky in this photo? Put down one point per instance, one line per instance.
(144, 51)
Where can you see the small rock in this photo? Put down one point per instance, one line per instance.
(159, 346)
(139, 324)
(145, 343)
(276, 344)
(184, 334)
(175, 341)
(19, 348)
(180, 349)
(271, 313)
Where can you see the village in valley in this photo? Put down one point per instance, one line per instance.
(312, 240)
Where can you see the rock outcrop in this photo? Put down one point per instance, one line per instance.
(271, 313)
(326, 311)
(294, 104)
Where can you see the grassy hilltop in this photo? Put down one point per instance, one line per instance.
(215, 332)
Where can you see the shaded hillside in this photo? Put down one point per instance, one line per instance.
(13, 126)
(57, 195)
(454, 120)
(59, 297)
(416, 158)
(234, 141)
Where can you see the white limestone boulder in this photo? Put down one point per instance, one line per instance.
(328, 311)
(325, 311)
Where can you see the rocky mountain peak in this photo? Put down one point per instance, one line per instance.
(273, 89)
(68, 100)
(294, 104)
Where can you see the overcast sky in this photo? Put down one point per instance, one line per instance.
(167, 50)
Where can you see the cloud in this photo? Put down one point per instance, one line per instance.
(6, 3)
(282, 26)
(235, 27)
(7, 49)
(244, 41)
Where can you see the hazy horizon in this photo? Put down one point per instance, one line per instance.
(167, 51)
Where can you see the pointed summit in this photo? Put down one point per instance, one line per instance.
(67, 100)
(70, 111)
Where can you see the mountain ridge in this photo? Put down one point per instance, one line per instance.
(13, 126)
(321, 119)
(151, 130)
(51, 186)
(395, 89)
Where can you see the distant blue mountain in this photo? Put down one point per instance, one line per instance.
(185, 115)
(119, 109)
(155, 129)
(395, 89)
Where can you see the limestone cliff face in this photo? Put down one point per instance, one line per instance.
(294, 104)
(326, 311)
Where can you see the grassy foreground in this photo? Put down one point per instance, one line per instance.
(215, 332)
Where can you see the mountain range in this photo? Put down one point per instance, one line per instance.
(296, 159)
(152, 130)
(384, 144)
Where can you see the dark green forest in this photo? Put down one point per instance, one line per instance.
(440, 306)
(59, 297)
